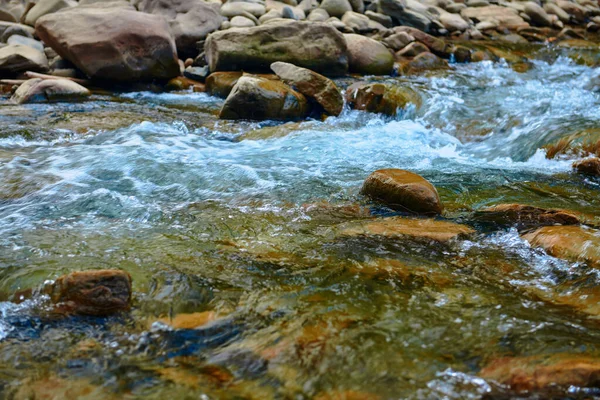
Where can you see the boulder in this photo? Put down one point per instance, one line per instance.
(424, 62)
(368, 56)
(316, 46)
(311, 85)
(49, 90)
(436, 45)
(357, 22)
(19, 58)
(44, 7)
(112, 44)
(189, 20)
(573, 243)
(257, 98)
(453, 22)
(220, 83)
(588, 166)
(544, 373)
(399, 227)
(553, 9)
(500, 15)
(525, 216)
(398, 41)
(537, 14)
(336, 8)
(381, 98)
(99, 293)
(403, 191)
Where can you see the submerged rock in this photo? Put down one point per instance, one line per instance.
(258, 98)
(398, 227)
(403, 191)
(573, 243)
(588, 166)
(541, 373)
(524, 216)
(368, 56)
(190, 321)
(312, 85)
(112, 44)
(316, 46)
(346, 395)
(381, 98)
(101, 292)
(42, 90)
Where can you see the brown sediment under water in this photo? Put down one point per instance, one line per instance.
(250, 279)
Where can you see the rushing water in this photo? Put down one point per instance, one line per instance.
(240, 218)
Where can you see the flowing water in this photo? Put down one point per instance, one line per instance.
(241, 219)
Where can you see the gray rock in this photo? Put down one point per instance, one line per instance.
(477, 3)
(318, 15)
(358, 6)
(537, 14)
(196, 73)
(381, 18)
(288, 13)
(272, 14)
(231, 10)
(357, 22)
(398, 41)
(44, 7)
(455, 8)
(398, 10)
(241, 22)
(368, 56)
(16, 29)
(19, 58)
(25, 41)
(553, 9)
(279, 40)
(336, 8)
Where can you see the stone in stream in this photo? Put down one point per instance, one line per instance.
(16, 58)
(423, 62)
(220, 83)
(258, 98)
(588, 166)
(368, 56)
(112, 44)
(409, 276)
(544, 373)
(381, 98)
(49, 90)
(574, 243)
(190, 21)
(311, 85)
(99, 292)
(346, 395)
(189, 321)
(524, 216)
(403, 191)
(399, 227)
(437, 46)
(316, 46)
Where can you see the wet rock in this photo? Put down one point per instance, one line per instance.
(258, 98)
(220, 83)
(189, 321)
(44, 7)
(398, 227)
(424, 62)
(53, 387)
(437, 46)
(588, 166)
(573, 243)
(49, 90)
(17, 58)
(525, 216)
(112, 44)
(336, 8)
(500, 15)
(540, 373)
(346, 395)
(311, 85)
(189, 20)
(316, 46)
(381, 98)
(409, 276)
(101, 292)
(537, 14)
(462, 54)
(403, 191)
(368, 56)
(183, 83)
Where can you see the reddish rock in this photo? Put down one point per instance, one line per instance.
(574, 243)
(403, 191)
(101, 292)
(525, 216)
(220, 83)
(381, 98)
(588, 166)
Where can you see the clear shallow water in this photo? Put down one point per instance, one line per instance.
(216, 216)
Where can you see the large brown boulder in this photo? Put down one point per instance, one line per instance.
(403, 191)
(43, 90)
(112, 43)
(189, 20)
(220, 83)
(574, 243)
(18, 58)
(316, 46)
(311, 85)
(524, 216)
(101, 292)
(368, 56)
(381, 98)
(257, 98)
